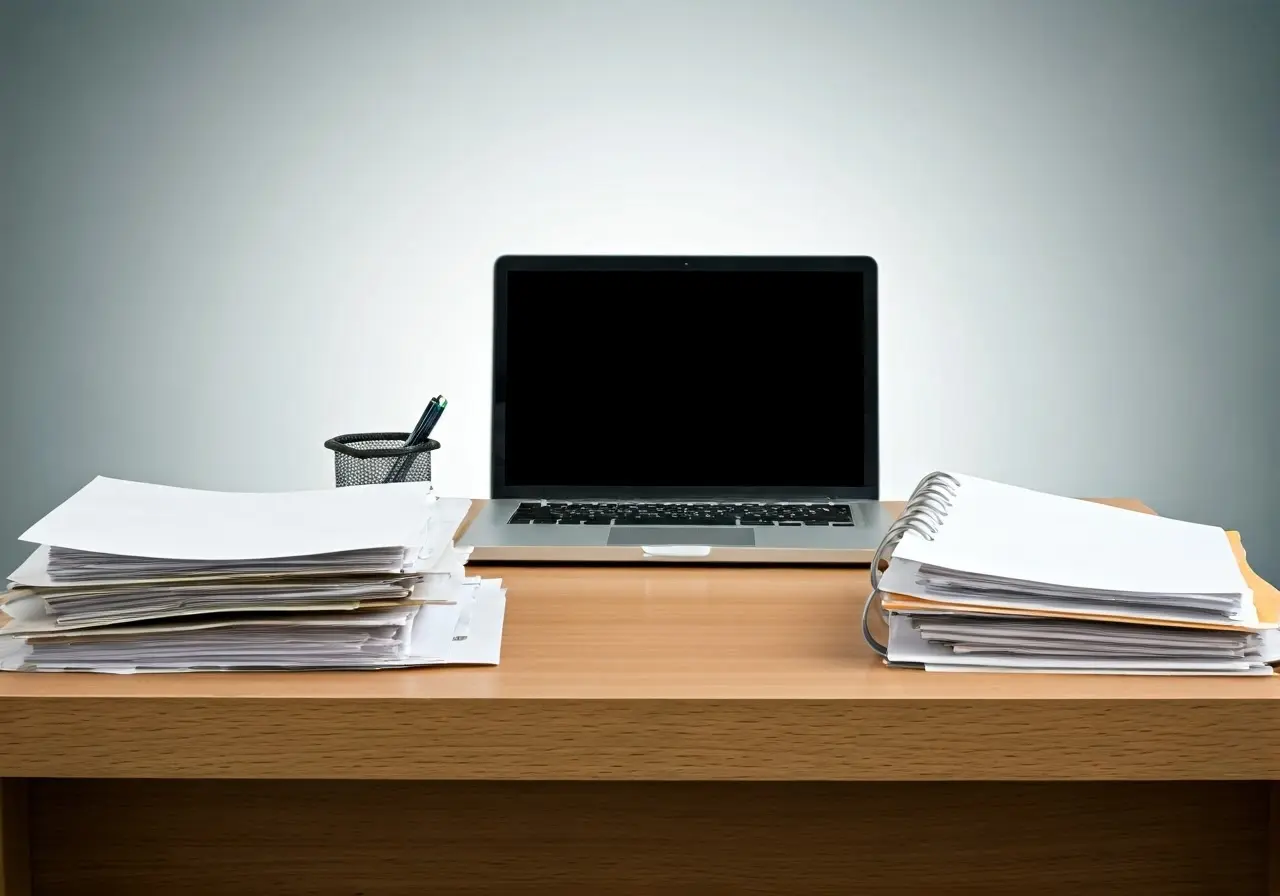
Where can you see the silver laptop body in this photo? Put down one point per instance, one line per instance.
(688, 410)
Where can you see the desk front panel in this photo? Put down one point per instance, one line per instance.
(338, 838)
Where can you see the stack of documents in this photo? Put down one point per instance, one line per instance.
(134, 577)
(992, 577)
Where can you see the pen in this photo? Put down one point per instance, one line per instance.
(435, 417)
(417, 435)
(400, 468)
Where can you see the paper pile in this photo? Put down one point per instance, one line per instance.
(133, 577)
(991, 577)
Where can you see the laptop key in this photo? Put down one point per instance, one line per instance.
(692, 513)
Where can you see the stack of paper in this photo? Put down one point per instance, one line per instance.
(133, 577)
(991, 577)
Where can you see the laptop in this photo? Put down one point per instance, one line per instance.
(683, 409)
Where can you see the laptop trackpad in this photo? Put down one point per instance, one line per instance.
(660, 535)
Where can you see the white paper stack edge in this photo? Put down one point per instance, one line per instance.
(134, 577)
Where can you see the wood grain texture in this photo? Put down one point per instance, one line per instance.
(99, 838)
(665, 740)
(649, 673)
(15, 866)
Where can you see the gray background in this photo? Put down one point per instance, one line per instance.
(232, 229)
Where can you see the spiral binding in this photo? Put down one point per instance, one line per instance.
(923, 514)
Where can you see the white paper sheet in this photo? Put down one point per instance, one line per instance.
(909, 647)
(1164, 673)
(114, 516)
(335, 641)
(903, 577)
(995, 529)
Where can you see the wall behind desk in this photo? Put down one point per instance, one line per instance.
(230, 230)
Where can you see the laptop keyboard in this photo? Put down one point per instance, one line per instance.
(626, 513)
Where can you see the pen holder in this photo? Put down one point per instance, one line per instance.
(368, 458)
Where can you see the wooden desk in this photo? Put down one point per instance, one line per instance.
(652, 730)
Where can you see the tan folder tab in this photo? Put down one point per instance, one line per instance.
(1265, 595)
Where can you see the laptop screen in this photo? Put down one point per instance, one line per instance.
(664, 382)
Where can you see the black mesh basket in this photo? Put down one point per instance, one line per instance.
(367, 458)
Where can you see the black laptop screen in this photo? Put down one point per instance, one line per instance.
(659, 382)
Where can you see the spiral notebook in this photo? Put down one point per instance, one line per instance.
(977, 575)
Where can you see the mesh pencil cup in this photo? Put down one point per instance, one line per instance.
(368, 458)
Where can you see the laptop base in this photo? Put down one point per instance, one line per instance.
(493, 539)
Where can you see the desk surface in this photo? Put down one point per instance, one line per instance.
(643, 673)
